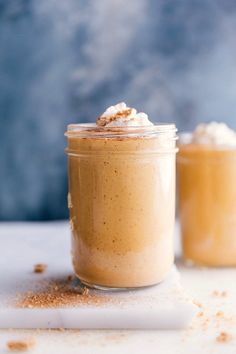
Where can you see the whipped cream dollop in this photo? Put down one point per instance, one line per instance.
(214, 134)
(120, 115)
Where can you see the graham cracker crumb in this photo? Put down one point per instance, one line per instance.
(223, 337)
(40, 268)
(219, 314)
(21, 345)
(85, 291)
(218, 293)
(205, 324)
(198, 304)
(54, 293)
(70, 277)
(200, 314)
(116, 337)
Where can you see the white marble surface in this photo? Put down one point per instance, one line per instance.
(164, 306)
(200, 337)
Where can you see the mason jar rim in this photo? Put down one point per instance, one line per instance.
(91, 130)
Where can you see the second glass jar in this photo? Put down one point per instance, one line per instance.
(207, 204)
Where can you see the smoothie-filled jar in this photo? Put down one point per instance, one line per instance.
(122, 199)
(206, 167)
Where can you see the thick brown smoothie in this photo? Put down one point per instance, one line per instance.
(207, 195)
(207, 198)
(122, 201)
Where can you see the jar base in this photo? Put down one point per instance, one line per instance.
(190, 263)
(114, 289)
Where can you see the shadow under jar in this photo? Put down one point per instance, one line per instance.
(207, 203)
(122, 204)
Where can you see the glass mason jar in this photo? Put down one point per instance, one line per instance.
(122, 203)
(207, 203)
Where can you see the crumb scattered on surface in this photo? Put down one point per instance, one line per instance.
(200, 314)
(53, 293)
(218, 293)
(205, 324)
(40, 268)
(219, 314)
(61, 329)
(215, 293)
(198, 304)
(223, 337)
(85, 291)
(21, 345)
(117, 337)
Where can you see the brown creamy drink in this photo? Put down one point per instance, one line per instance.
(122, 199)
(207, 195)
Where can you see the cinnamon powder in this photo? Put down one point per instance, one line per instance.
(61, 293)
(40, 268)
(21, 345)
(224, 337)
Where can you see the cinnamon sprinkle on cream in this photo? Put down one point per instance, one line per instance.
(104, 120)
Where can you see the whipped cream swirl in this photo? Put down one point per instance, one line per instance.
(120, 115)
(214, 134)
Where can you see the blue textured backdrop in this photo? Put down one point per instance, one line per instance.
(65, 61)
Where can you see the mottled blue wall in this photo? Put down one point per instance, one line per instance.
(65, 61)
